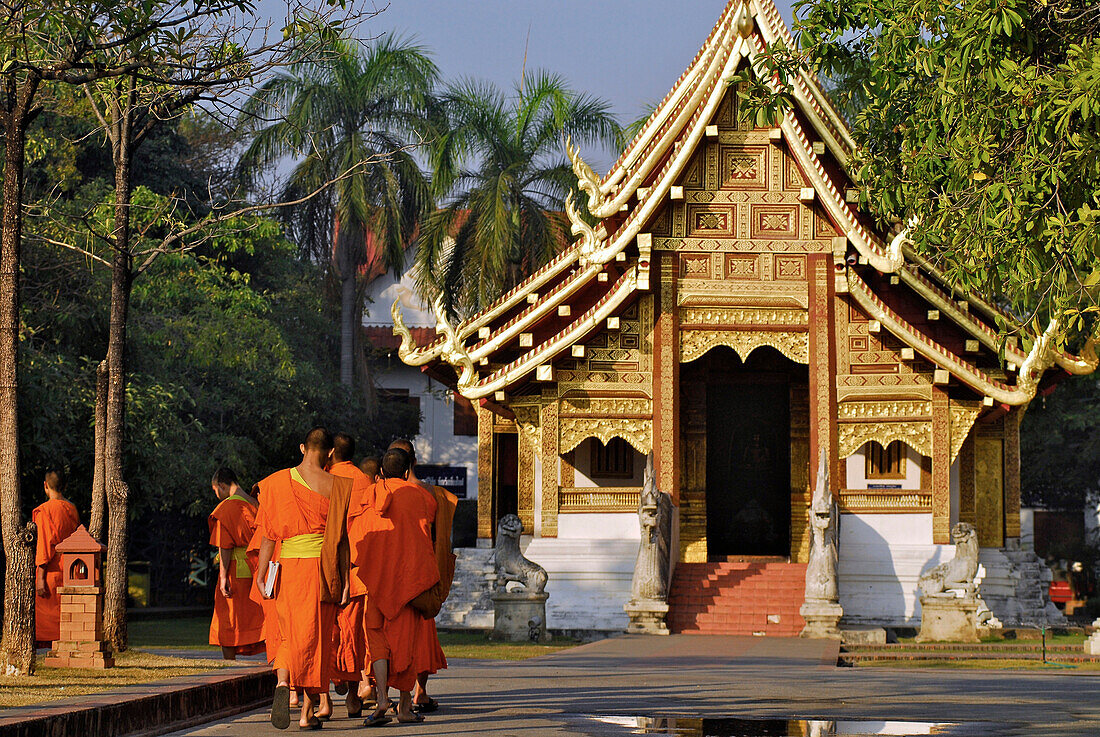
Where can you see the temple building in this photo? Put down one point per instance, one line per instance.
(736, 314)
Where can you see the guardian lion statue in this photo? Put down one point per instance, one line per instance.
(510, 563)
(960, 571)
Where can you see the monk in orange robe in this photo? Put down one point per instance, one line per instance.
(238, 621)
(295, 513)
(56, 519)
(446, 503)
(392, 546)
(351, 645)
(270, 634)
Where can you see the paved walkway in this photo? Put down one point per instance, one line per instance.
(598, 689)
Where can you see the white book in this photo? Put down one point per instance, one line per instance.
(268, 586)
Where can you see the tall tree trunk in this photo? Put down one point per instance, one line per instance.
(18, 640)
(347, 324)
(115, 581)
(99, 477)
(114, 605)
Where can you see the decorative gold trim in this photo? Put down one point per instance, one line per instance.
(695, 343)
(550, 455)
(916, 434)
(742, 316)
(574, 500)
(963, 416)
(637, 432)
(889, 501)
(887, 410)
(610, 406)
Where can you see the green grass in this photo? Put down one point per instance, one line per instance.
(130, 667)
(192, 633)
(187, 633)
(1052, 639)
(478, 645)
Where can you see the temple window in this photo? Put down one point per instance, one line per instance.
(614, 460)
(886, 463)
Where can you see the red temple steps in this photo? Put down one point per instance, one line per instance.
(738, 597)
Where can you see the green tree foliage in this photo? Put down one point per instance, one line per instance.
(1060, 446)
(353, 113)
(231, 341)
(981, 120)
(502, 161)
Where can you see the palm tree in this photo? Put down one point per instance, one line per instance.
(353, 113)
(502, 161)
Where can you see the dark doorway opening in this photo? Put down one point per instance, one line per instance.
(748, 477)
(505, 476)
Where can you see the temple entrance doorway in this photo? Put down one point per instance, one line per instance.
(737, 431)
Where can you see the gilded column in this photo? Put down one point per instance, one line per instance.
(967, 497)
(1012, 472)
(941, 467)
(569, 469)
(484, 473)
(666, 381)
(550, 455)
(527, 426)
(823, 409)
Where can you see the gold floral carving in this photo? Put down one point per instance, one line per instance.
(884, 410)
(579, 500)
(527, 417)
(695, 343)
(916, 434)
(609, 406)
(742, 316)
(637, 432)
(550, 454)
(963, 416)
(885, 501)
(484, 473)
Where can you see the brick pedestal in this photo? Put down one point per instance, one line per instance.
(81, 644)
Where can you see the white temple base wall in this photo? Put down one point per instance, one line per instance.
(589, 580)
(880, 560)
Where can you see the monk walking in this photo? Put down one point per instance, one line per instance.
(392, 545)
(296, 506)
(56, 519)
(446, 503)
(351, 647)
(238, 621)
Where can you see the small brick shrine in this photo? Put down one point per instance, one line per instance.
(81, 644)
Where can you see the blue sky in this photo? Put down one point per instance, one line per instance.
(629, 52)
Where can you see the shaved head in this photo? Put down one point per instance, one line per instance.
(395, 463)
(343, 447)
(319, 439)
(371, 466)
(55, 479)
(405, 445)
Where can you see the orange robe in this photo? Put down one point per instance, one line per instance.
(238, 621)
(350, 631)
(270, 634)
(391, 544)
(446, 503)
(289, 509)
(56, 520)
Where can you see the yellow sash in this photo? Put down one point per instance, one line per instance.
(302, 546)
(240, 555)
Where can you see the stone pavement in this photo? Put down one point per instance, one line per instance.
(712, 676)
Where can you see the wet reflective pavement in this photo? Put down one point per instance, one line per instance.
(676, 726)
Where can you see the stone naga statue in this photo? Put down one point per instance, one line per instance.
(510, 563)
(960, 571)
(821, 578)
(651, 570)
